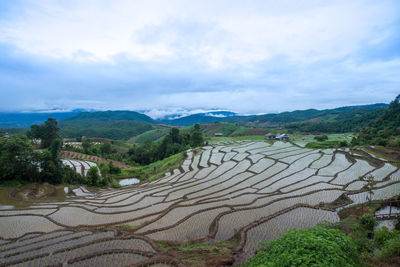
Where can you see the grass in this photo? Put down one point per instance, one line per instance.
(354, 222)
(200, 253)
(331, 137)
(235, 138)
(12, 183)
(154, 135)
(154, 170)
(380, 155)
(326, 144)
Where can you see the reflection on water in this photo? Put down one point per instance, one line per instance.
(128, 181)
(25, 196)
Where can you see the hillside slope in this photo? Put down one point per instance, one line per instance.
(385, 129)
(107, 124)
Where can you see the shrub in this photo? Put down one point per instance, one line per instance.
(391, 248)
(316, 246)
(382, 235)
(368, 220)
(321, 138)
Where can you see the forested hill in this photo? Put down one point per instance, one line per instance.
(314, 115)
(385, 129)
(106, 124)
(119, 115)
(284, 118)
(24, 120)
(203, 118)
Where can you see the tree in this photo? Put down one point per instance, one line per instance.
(106, 148)
(174, 134)
(18, 161)
(86, 144)
(93, 176)
(55, 149)
(46, 132)
(370, 179)
(196, 136)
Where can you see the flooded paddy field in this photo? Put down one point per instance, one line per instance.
(244, 190)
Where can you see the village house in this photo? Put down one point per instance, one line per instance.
(282, 137)
(270, 136)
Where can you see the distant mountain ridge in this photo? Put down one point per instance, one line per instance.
(202, 118)
(116, 115)
(335, 114)
(125, 118)
(25, 120)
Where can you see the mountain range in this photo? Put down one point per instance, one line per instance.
(127, 124)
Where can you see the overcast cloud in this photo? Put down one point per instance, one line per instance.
(161, 56)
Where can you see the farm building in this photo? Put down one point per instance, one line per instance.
(282, 137)
(270, 136)
(218, 134)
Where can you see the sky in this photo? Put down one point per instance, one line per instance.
(174, 56)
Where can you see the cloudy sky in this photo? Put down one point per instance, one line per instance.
(169, 55)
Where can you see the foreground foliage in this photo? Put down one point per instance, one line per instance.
(316, 246)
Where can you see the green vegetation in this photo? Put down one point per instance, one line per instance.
(154, 135)
(200, 253)
(383, 130)
(20, 163)
(93, 176)
(122, 115)
(171, 144)
(115, 150)
(12, 131)
(342, 124)
(327, 144)
(154, 170)
(230, 129)
(321, 138)
(117, 130)
(117, 125)
(316, 246)
(46, 132)
(390, 248)
(350, 242)
(314, 116)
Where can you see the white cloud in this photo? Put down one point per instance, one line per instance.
(218, 34)
(183, 57)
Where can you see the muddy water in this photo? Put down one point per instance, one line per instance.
(25, 196)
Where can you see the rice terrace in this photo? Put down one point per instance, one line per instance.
(200, 133)
(233, 192)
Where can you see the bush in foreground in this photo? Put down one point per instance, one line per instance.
(316, 246)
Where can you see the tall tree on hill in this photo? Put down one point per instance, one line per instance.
(196, 136)
(46, 132)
